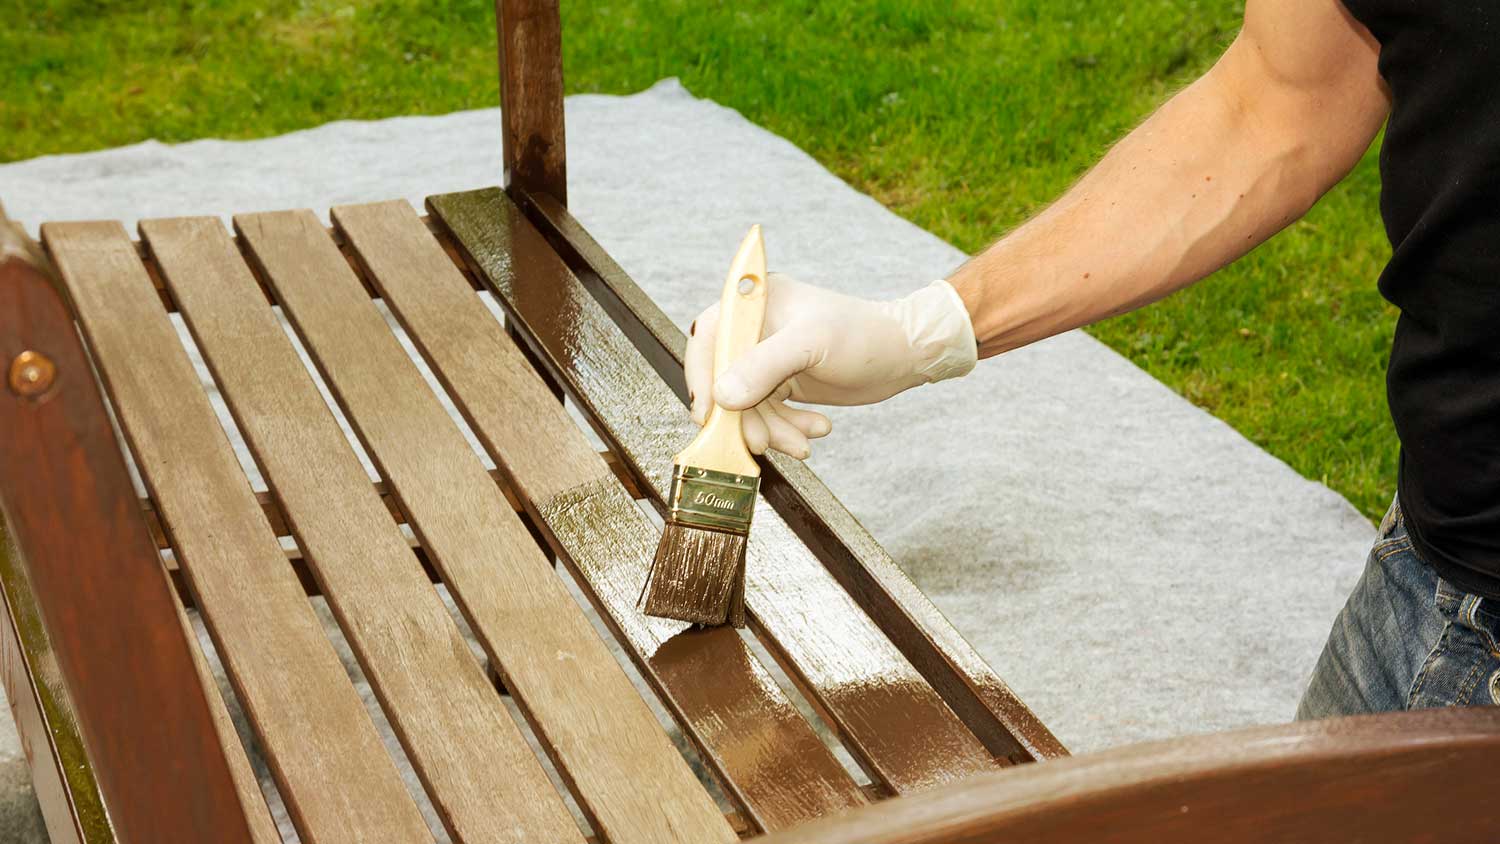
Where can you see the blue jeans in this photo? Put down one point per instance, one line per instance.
(1407, 639)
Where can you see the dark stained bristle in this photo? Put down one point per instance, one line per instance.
(698, 576)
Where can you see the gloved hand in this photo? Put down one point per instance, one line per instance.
(827, 348)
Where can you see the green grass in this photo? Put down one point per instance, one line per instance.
(964, 117)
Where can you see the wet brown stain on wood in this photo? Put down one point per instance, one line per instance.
(986, 704)
(891, 718)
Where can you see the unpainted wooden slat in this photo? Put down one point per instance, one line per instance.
(891, 718)
(975, 691)
(766, 754)
(481, 776)
(333, 771)
(627, 775)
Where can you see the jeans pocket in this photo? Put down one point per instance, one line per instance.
(1463, 665)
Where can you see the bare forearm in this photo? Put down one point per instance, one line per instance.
(1216, 171)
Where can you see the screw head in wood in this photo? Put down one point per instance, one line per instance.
(31, 374)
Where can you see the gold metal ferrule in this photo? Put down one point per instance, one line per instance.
(703, 498)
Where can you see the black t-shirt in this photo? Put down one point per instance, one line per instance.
(1440, 200)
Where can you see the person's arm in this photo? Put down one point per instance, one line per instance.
(1229, 161)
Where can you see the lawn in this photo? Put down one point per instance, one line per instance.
(963, 116)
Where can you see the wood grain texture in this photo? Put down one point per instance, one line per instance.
(1404, 777)
(481, 776)
(892, 720)
(114, 647)
(627, 775)
(338, 782)
(531, 94)
(768, 757)
(986, 704)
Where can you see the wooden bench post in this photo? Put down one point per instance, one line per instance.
(83, 582)
(531, 106)
(531, 94)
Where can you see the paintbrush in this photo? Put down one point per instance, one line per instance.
(699, 571)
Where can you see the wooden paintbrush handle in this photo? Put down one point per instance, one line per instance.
(742, 312)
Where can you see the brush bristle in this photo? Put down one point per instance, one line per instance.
(698, 576)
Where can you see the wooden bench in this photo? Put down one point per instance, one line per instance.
(130, 740)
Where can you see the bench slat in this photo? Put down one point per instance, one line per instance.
(717, 688)
(482, 777)
(866, 688)
(338, 781)
(627, 775)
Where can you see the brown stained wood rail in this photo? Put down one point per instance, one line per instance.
(78, 557)
(1399, 778)
(986, 704)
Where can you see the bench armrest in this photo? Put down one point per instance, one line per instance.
(1403, 777)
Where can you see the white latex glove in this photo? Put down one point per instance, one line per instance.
(827, 348)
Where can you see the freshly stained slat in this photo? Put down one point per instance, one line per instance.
(764, 751)
(629, 778)
(894, 721)
(482, 777)
(977, 694)
(338, 781)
